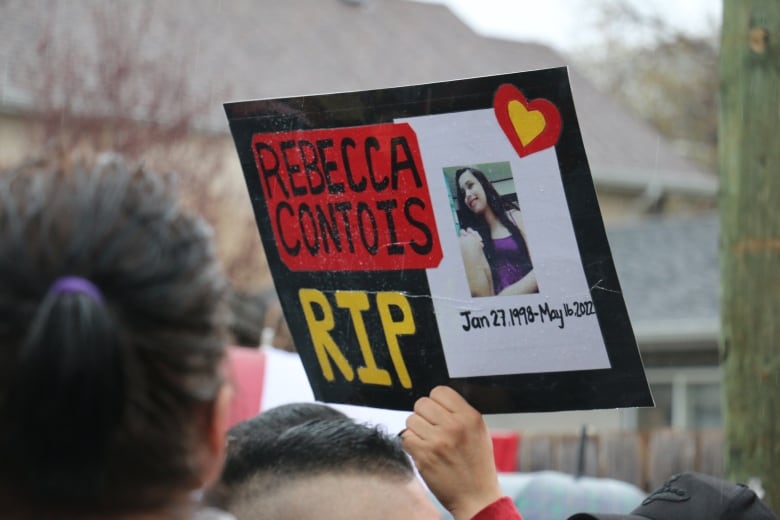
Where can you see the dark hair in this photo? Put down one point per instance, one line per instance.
(499, 206)
(319, 447)
(103, 397)
(248, 440)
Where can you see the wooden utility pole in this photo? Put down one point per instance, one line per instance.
(749, 156)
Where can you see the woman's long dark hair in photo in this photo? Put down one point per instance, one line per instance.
(499, 206)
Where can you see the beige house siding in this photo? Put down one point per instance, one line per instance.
(16, 134)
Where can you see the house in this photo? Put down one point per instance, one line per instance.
(250, 49)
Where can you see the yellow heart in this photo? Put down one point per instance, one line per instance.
(527, 124)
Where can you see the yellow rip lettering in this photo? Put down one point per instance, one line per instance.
(357, 302)
(322, 323)
(393, 329)
(324, 346)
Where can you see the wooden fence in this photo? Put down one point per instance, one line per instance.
(643, 459)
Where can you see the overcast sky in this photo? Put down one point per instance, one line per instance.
(569, 24)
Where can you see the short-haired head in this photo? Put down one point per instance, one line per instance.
(322, 452)
(248, 441)
(104, 393)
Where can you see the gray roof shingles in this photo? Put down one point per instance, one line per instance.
(668, 268)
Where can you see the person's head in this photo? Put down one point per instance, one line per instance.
(112, 328)
(694, 496)
(258, 320)
(479, 197)
(331, 469)
(248, 440)
(476, 193)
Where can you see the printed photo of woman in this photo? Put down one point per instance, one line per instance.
(492, 238)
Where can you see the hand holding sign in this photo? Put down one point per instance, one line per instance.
(451, 446)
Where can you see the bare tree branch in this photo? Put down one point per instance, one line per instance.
(112, 89)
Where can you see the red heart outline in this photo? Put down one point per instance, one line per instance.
(552, 128)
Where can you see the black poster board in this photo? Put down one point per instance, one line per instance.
(377, 211)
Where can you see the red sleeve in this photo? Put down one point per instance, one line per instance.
(501, 509)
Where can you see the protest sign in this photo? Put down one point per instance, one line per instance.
(446, 233)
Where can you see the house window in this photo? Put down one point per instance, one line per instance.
(686, 398)
(661, 415)
(704, 405)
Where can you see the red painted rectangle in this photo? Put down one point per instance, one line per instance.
(348, 199)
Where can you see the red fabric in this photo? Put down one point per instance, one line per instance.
(505, 449)
(501, 509)
(246, 368)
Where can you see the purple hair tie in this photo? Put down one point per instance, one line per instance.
(76, 284)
